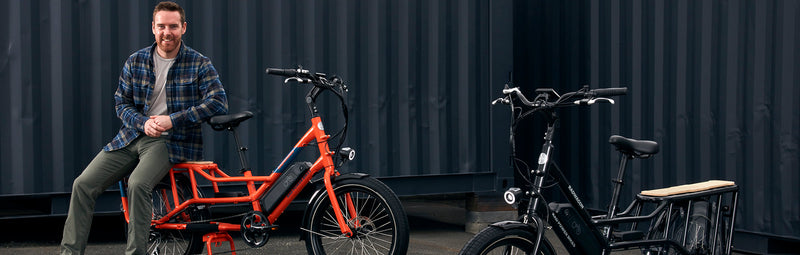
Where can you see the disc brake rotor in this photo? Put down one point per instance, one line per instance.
(363, 225)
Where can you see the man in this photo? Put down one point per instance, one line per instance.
(165, 92)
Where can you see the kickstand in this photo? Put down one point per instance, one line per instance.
(217, 238)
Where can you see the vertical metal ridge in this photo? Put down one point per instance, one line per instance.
(714, 79)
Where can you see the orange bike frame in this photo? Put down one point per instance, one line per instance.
(211, 172)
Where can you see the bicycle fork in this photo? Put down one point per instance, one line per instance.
(326, 154)
(337, 209)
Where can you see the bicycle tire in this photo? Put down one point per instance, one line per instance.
(495, 240)
(383, 222)
(658, 231)
(162, 241)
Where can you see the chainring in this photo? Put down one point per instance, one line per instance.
(255, 229)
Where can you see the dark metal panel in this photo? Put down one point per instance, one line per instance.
(787, 124)
(441, 184)
(500, 63)
(416, 69)
(712, 81)
(10, 37)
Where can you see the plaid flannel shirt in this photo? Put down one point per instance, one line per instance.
(194, 94)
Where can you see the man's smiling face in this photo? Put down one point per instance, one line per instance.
(168, 30)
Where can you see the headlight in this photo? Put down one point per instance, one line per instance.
(512, 195)
(347, 153)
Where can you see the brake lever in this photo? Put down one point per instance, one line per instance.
(594, 100)
(501, 100)
(582, 101)
(601, 99)
(297, 79)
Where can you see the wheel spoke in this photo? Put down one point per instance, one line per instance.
(367, 213)
(162, 241)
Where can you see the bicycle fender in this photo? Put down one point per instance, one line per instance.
(320, 192)
(349, 176)
(513, 224)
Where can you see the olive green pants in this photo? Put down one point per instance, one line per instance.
(146, 159)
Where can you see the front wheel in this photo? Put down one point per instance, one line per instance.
(494, 240)
(376, 217)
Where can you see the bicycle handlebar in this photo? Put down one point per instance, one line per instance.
(321, 83)
(583, 96)
(301, 75)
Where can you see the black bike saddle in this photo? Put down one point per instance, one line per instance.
(222, 122)
(638, 148)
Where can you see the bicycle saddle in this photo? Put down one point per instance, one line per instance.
(222, 122)
(638, 148)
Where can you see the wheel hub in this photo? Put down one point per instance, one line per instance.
(361, 226)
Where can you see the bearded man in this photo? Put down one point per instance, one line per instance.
(165, 92)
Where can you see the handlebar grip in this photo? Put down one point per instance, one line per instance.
(609, 92)
(282, 72)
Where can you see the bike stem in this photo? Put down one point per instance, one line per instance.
(311, 100)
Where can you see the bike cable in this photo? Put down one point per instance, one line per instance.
(342, 94)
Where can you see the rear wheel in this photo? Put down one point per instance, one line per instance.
(659, 231)
(494, 240)
(164, 241)
(379, 223)
(696, 238)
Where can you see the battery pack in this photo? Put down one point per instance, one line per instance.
(579, 236)
(283, 185)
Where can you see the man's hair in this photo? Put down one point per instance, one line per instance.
(169, 6)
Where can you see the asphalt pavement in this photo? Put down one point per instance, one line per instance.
(437, 227)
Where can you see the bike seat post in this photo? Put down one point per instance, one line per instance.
(618, 182)
(241, 150)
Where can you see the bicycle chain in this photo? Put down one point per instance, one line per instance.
(218, 219)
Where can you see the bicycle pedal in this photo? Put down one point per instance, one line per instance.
(229, 194)
(628, 235)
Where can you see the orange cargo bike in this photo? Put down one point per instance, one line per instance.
(348, 213)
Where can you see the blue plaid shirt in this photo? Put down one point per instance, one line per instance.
(194, 94)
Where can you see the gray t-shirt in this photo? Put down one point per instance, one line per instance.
(158, 100)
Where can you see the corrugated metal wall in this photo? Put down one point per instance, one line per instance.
(714, 82)
(415, 69)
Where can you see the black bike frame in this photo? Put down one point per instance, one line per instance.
(581, 232)
(543, 169)
(541, 173)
